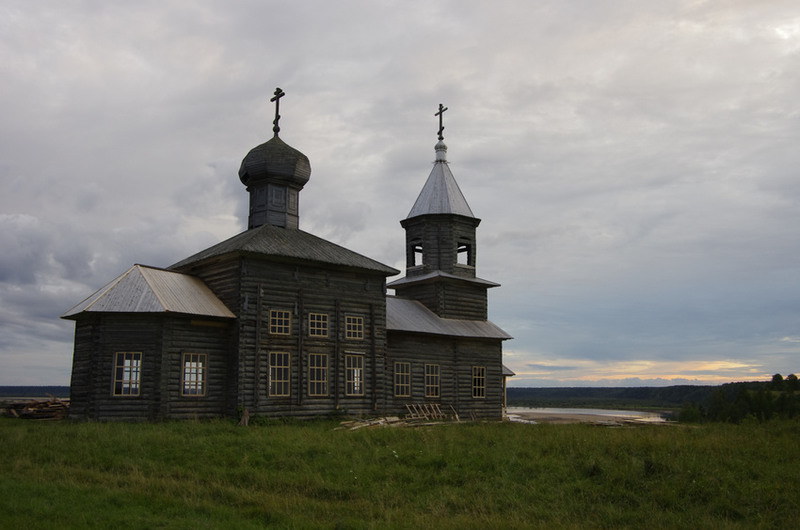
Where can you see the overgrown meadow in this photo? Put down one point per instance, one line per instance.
(471, 475)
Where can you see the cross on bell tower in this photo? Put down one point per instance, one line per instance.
(442, 108)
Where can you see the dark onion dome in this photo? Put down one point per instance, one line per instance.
(277, 162)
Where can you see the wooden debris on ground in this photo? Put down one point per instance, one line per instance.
(52, 408)
(428, 411)
(418, 415)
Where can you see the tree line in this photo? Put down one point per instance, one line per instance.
(735, 402)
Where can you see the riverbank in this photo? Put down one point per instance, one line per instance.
(573, 415)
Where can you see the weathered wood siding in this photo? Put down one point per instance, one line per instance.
(449, 298)
(96, 343)
(455, 357)
(161, 340)
(209, 337)
(81, 390)
(263, 285)
(439, 237)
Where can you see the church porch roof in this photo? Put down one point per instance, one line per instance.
(143, 289)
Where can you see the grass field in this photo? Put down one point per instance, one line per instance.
(309, 475)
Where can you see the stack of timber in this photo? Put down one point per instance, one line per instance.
(373, 422)
(51, 408)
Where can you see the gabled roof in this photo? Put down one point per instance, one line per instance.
(412, 316)
(440, 194)
(288, 244)
(143, 289)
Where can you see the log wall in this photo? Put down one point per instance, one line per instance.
(456, 357)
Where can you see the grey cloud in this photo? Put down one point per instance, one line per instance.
(634, 166)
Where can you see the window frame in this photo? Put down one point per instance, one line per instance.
(276, 370)
(318, 325)
(280, 322)
(354, 327)
(479, 382)
(318, 381)
(433, 381)
(198, 374)
(353, 374)
(402, 379)
(133, 372)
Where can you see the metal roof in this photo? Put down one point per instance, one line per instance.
(288, 244)
(440, 194)
(410, 315)
(143, 289)
(431, 276)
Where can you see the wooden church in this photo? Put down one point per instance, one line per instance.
(278, 322)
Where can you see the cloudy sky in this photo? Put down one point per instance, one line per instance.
(635, 164)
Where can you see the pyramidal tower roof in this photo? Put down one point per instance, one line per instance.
(440, 194)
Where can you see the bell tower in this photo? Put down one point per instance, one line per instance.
(441, 250)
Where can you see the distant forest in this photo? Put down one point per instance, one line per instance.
(34, 391)
(646, 397)
(731, 402)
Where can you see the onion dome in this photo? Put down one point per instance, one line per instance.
(276, 162)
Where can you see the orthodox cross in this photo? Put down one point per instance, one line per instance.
(277, 99)
(442, 108)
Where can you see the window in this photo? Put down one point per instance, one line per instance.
(317, 325)
(432, 380)
(479, 381)
(354, 327)
(280, 322)
(127, 373)
(415, 254)
(354, 375)
(465, 253)
(194, 374)
(402, 379)
(318, 374)
(279, 373)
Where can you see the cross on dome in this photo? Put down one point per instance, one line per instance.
(277, 99)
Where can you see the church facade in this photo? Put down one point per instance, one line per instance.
(278, 322)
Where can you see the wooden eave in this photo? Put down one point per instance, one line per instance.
(437, 276)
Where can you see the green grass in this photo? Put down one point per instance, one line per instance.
(301, 475)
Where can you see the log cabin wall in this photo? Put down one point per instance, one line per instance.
(207, 337)
(82, 394)
(97, 341)
(449, 298)
(456, 356)
(300, 290)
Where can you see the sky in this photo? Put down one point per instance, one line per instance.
(635, 164)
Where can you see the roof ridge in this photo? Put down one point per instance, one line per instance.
(153, 290)
(111, 285)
